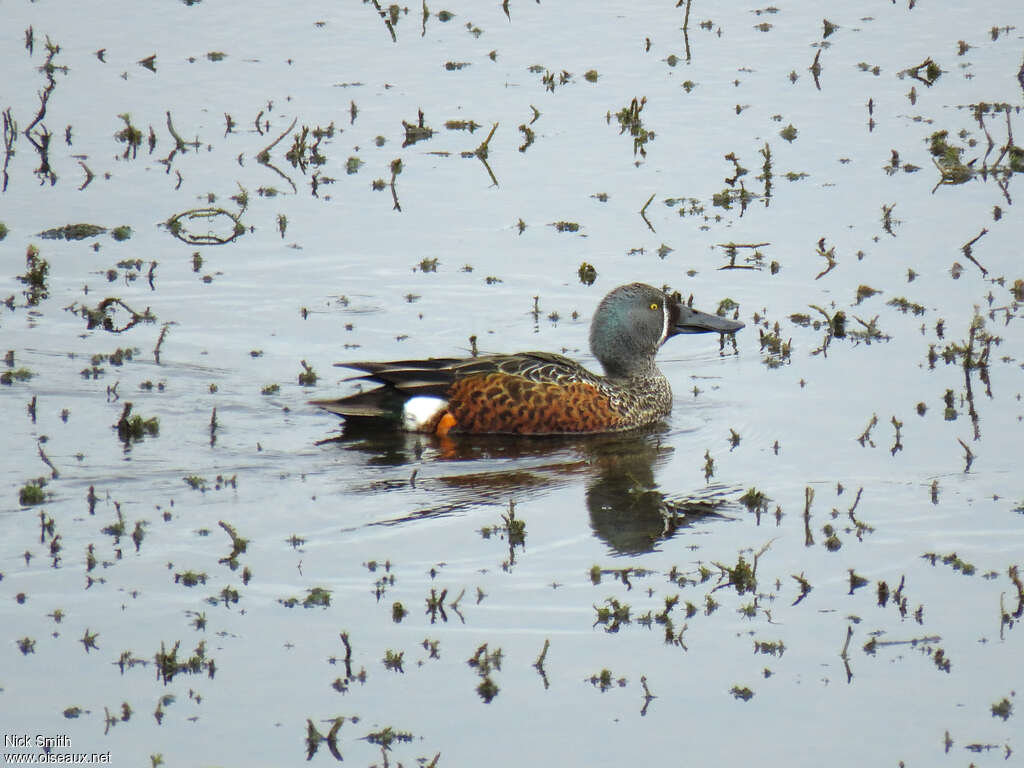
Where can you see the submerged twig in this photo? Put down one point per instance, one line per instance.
(968, 455)
(643, 212)
(966, 248)
(264, 155)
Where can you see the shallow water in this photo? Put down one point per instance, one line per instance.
(638, 520)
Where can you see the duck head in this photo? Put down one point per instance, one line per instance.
(633, 321)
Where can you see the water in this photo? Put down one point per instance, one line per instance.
(650, 518)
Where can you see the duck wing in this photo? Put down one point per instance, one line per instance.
(538, 367)
(405, 379)
(435, 375)
(411, 377)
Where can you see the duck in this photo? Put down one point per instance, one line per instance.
(537, 393)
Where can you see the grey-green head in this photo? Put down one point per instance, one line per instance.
(633, 321)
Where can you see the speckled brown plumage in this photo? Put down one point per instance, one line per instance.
(506, 403)
(530, 393)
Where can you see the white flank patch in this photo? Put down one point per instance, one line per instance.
(420, 411)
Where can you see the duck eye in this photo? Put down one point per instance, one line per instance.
(654, 305)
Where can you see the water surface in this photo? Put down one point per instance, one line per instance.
(882, 451)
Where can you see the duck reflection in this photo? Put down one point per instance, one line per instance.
(627, 510)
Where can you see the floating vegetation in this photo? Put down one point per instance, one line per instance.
(7, 378)
(119, 527)
(512, 529)
(435, 605)
(753, 259)
(32, 493)
(388, 736)
(728, 196)
(398, 612)
(316, 597)
(1002, 709)
(905, 306)
(742, 576)
(307, 376)
(484, 662)
(776, 351)
(742, 693)
(604, 680)
(528, 137)
(587, 273)
(36, 271)
(168, 666)
(629, 120)
(393, 660)
(342, 684)
(130, 136)
(196, 483)
(565, 226)
(116, 358)
(947, 158)
(132, 271)
(461, 125)
(770, 647)
(190, 578)
(927, 72)
(805, 588)
(229, 596)
(131, 429)
(709, 466)
(868, 332)
(754, 500)
(612, 616)
(975, 352)
(539, 663)
(305, 149)
(112, 314)
(865, 292)
(73, 232)
(314, 738)
(186, 226)
(417, 131)
(952, 560)
(552, 79)
(238, 546)
(831, 542)
(26, 645)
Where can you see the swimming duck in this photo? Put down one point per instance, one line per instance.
(538, 393)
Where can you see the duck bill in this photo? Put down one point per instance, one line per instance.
(687, 320)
